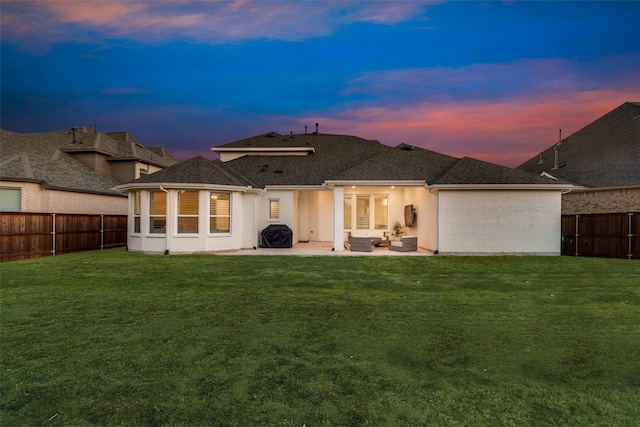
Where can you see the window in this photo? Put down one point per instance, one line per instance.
(136, 212)
(274, 209)
(347, 211)
(10, 199)
(220, 213)
(381, 212)
(366, 212)
(188, 211)
(157, 212)
(362, 212)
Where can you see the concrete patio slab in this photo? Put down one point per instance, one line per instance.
(321, 249)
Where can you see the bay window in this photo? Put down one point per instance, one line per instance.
(136, 212)
(220, 213)
(188, 211)
(157, 212)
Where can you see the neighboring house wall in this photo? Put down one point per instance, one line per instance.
(124, 171)
(35, 199)
(601, 201)
(499, 222)
(95, 161)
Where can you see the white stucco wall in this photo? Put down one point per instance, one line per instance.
(239, 237)
(426, 208)
(499, 222)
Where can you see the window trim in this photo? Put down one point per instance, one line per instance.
(273, 202)
(372, 210)
(180, 215)
(19, 192)
(137, 213)
(222, 232)
(151, 214)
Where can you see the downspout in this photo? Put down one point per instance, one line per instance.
(167, 234)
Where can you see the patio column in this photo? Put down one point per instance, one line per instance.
(338, 218)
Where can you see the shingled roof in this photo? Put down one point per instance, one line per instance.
(473, 171)
(605, 153)
(402, 163)
(59, 171)
(335, 158)
(332, 155)
(196, 170)
(47, 158)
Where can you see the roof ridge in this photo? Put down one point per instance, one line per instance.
(218, 164)
(26, 166)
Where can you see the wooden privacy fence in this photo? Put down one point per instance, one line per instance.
(30, 235)
(602, 235)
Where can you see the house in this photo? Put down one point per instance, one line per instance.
(72, 170)
(602, 160)
(325, 187)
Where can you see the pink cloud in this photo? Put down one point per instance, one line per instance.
(44, 22)
(506, 132)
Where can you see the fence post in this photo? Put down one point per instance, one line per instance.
(101, 231)
(577, 235)
(630, 235)
(53, 234)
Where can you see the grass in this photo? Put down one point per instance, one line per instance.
(113, 338)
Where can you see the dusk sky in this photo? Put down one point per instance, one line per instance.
(490, 80)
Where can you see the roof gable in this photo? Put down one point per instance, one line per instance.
(196, 170)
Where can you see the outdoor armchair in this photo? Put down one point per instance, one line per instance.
(408, 244)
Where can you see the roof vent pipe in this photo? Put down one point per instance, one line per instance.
(305, 129)
(317, 133)
(556, 149)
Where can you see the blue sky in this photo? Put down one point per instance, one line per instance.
(490, 80)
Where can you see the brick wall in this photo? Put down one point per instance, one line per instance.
(35, 199)
(499, 222)
(601, 201)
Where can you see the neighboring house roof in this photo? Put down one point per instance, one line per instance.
(605, 153)
(60, 171)
(47, 158)
(127, 147)
(338, 159)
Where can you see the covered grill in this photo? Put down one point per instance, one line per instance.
(276, 236)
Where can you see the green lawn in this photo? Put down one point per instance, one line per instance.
(106, 338)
